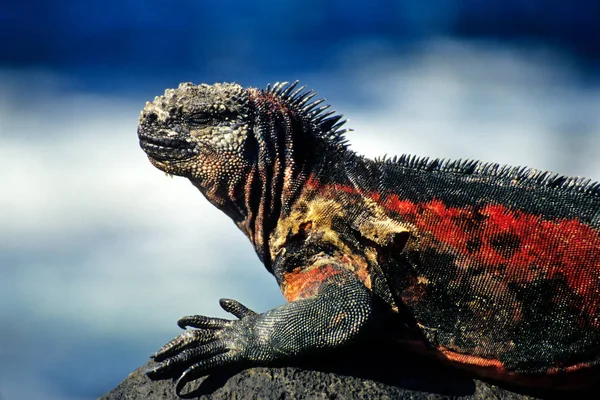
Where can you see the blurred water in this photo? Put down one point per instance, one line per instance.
(101, 253)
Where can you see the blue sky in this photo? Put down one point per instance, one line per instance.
(100, 253)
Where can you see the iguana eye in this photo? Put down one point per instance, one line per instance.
(199, 119)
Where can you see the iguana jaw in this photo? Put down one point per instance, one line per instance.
(167, 145)
(169, 150)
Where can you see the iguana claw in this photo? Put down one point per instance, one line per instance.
(196, 352)
(201, 369)
(185, 340)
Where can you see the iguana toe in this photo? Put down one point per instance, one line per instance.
(187, 339)
(236, 308)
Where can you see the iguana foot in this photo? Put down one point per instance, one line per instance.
(215, 343)
(338, 314)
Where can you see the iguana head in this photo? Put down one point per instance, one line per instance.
(196, 131)
(245, 149)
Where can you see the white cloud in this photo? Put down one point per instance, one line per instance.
(457, 100)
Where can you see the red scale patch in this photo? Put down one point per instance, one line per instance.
(546, 248)
(304, 283)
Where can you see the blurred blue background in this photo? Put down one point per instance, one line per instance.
(100, 253)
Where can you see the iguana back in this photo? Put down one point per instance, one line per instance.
(498, 266)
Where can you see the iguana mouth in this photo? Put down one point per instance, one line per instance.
(168, 146)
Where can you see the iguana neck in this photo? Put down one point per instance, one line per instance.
(288, 151)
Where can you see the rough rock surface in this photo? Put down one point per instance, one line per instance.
(348, 377)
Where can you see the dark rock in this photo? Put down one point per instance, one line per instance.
(340, 377)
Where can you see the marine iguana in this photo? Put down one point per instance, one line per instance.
(491, 268)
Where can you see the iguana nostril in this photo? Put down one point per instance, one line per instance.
(151, 117)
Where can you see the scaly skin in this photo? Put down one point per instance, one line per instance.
(493, 269)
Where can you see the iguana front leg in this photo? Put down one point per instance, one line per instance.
(336, 310)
